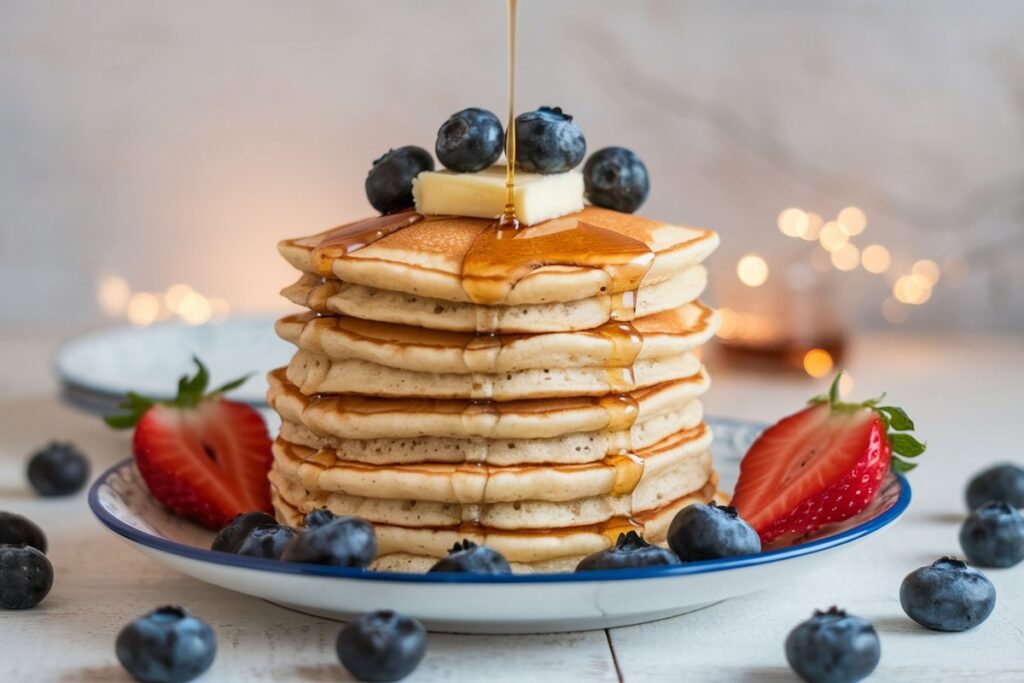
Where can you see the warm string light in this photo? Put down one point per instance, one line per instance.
(835, 237)
(116, 299)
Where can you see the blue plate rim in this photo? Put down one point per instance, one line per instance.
(702, 567)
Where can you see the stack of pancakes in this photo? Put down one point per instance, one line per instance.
(534, 391)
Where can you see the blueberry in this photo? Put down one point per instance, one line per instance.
(266, 541)
(342, 542)
(58, 470)
(993, 536)
(547, 141)
(833, 647)
(317, 518)
(26, 576)
(706, 532)
(629, 551)
(470, 140)
(231, 536)
(1003, 483)
(18, 530)
(470, 557)
(615, 178)
(389, 183)
(168, 645)
(947, 596)
(382, 646)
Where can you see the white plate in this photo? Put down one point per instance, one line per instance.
(97, 369)
(483, 604)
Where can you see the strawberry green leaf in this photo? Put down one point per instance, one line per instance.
(906, 445)
(897, 418)
(902, 466)
(191, 392)
(833, 391)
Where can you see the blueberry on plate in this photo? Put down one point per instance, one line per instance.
(382, 646)
(833, 647)
(707, 532)
(947, 596)
(60, 469)
(341, 542)
(993, 536)
(470, 557)
(1002, 483)
(18, 530)
(26, 576)
(168, 645)
(319, 517)
(389, 182)
(615, 178)
(266, 541)
(629, 551)
(232, 535)
(470, 140)
(547, 141)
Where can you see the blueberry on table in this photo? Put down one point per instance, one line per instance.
(629, 551)
(382, 646)
(319, 517)
(342, 542)
(230, 537)
(26, 576)
(993, 536)
(833, 647)
(389, 182)
(615, 178)
(470, 557)
(547, 141)
(1002, 483)
(470, 140)
(947, 596)
(18, 530)
(707, 532)
(168, 645)
(266, 541)
(59, 469)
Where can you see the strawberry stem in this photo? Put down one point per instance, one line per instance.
(191, 392)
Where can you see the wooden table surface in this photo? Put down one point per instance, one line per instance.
(962, 393)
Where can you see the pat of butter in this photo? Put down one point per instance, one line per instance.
(482, 194)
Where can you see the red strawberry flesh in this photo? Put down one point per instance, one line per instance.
(208, 463)
(818, 466)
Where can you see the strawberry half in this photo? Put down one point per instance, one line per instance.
(201, 455)
(821, 465)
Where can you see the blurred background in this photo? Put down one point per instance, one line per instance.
(862, 159)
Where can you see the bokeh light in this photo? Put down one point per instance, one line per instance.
(846, 257)
(818, 362)
(927, 269)
(876, 259)
(113, 294)
(846, 385)
(143, 308)
(832, 236)
(814, 223)
(852, 220)
(752, 270)
(793, 222)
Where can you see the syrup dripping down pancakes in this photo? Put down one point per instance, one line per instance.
(536, 389)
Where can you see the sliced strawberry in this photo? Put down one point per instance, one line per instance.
(201, 455)
(821, 465)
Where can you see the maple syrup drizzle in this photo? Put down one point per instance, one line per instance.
(509, 214)
(344, 240)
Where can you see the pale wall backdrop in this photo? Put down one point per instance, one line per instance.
(177, 142)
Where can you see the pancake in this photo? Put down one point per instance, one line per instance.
(390, 306)
(407, 549)
(356, 417)
(338, 337)
(687, 474)
(426, 258)
(314, 374)
(567, 449)
(474, 483)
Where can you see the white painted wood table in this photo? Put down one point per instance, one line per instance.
(962, 392)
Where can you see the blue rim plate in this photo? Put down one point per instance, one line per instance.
(891, 503)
